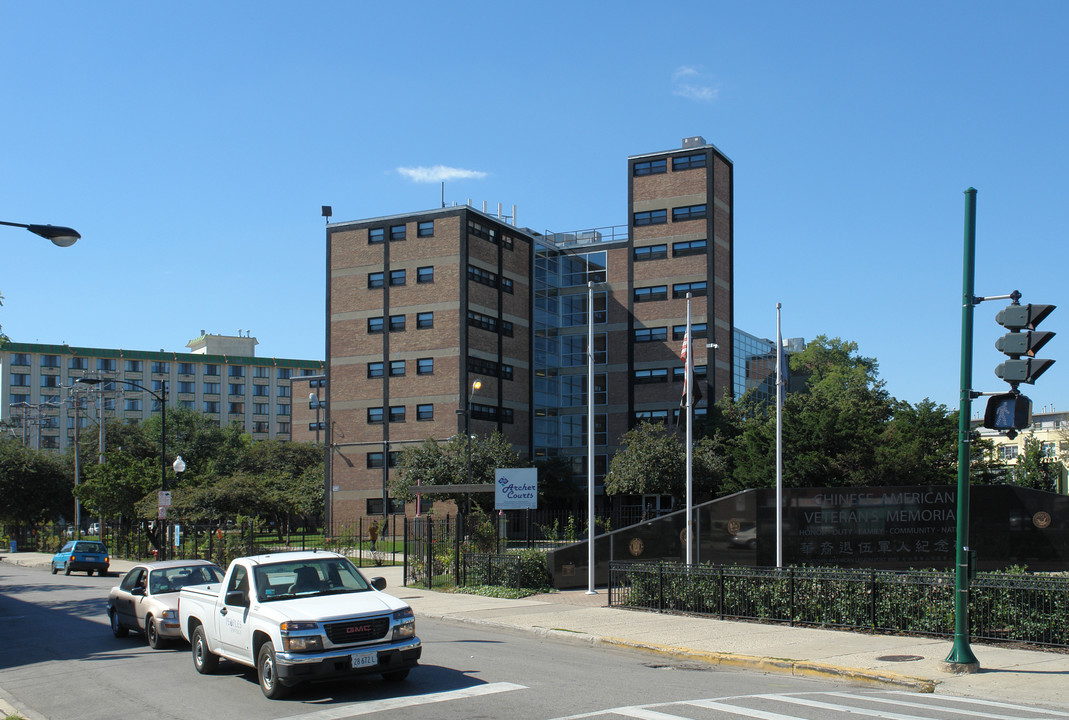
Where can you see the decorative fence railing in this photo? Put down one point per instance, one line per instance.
(1002, 606)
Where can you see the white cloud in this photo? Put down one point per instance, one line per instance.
(439, 173)
(689, 83)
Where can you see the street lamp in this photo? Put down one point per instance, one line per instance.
(467, 432)
(59, 235)
(163, 435)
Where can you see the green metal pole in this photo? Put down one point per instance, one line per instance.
(961, 658)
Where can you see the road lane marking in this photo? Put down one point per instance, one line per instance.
(374, 706)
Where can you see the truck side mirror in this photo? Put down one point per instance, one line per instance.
(235, 597)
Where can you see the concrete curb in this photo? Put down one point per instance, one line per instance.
(783, 666)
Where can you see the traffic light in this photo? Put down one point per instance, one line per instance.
(1022, 341)
(1008, 411)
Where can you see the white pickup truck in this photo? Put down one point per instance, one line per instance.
(299, 616)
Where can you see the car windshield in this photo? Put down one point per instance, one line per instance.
(169, 580)
(90, 547)
(313, 576)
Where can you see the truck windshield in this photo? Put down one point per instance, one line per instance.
(301, 578)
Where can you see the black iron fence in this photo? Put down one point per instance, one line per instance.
(1014, 607)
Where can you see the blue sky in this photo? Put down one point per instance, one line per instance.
(192, 145)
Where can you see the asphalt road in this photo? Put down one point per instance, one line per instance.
(62, 661)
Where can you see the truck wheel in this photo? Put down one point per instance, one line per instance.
(204, 661)
(395, 675)
(152, 633)
(117, 628)
(266, 672)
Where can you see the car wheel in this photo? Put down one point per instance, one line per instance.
(54, 571)
(89, 573)
(152, 633)
(66, 568)
(204, 661)
(266, 672)
(395, 675)
(117, 628)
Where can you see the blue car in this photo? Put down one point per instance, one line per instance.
(79, 555)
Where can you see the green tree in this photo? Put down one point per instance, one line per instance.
(435, 463)
(1033, 468)
(115, 489)
(652, 461)
(34, 486)
(919, 446)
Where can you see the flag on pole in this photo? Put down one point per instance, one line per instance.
(686, 374)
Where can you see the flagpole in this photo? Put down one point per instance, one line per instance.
(590, 438)
(779, 440)
(688, 381)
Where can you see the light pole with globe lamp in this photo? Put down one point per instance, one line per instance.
(467, 432)
(163, 437)
(59, 235)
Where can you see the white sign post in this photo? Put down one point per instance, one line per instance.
(516, 488)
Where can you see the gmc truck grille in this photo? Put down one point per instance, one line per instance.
(353, 631)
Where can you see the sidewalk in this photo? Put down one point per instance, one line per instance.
(1011, 675)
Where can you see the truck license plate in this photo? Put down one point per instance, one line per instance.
(361, 660)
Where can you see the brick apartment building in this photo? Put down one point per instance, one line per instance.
(421, 305)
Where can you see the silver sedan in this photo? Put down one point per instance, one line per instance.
(146, 600)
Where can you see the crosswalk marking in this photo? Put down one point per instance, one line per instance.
(970, 712)
(397, 703)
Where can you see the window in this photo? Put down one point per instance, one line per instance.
(657, 334)
(397, 323)
(134, 366)
(425, 274)
(376, 280)
(281, 409)
(20, 359)
(506, 285)
(375, 415)
(78, 363)
(374, 369)
(285, 373)
(651, 416)
(376, 235)
(375, 325)
(688, 162)
(284, 428)
(50, 381)
(211, 388)
(425, 366)
(162, 368)
(237, 389)
(424, 320)
(696, 289)
(261, 371)
(261, 408)
(106, 364)
(237, 371)
(261, 390)
(425, 412)
(397, 277)
(484, 277)
(651, 167)
(653, 375)
(1008, 452)
(237, 408)
(186, 386)
(700, 371)
(688, 212)
(50, 361)
(19, 398)
(397, 413)
(699, 330)
(158, 386)
(651, 217)
(651, 252)
(425, 229)
(646, 294)
(187, 368)
(261, 426)
(133, 404)
(211, 369)
(375, 460)
(20, 380)
(1046, 449)
(397, 232)
(283, 391)
(397, 368)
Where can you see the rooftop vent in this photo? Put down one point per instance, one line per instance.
(692, 142)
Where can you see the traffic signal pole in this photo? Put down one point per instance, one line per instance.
(961, 659)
